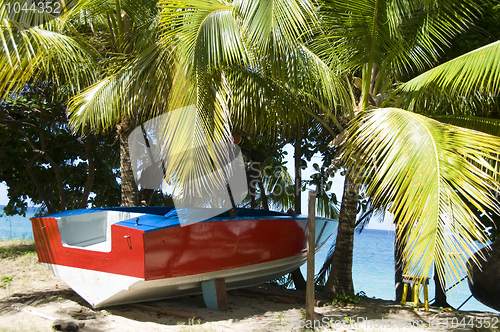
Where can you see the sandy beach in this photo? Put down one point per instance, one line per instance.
(35, 292)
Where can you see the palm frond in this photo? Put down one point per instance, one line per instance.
(325, 206)
(401, 37)
(278, 185)
(422, 168)
(475, 72)
(204, 34)
(262, 103)
(425, 29)
(139, 87)
(485, 125)
(223, 56)
(275, 25)
(436, 101)
(31, 53)
(359, 31)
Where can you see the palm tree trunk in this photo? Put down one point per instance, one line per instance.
(298, 175)
(440, 295)
(398, 265)
(263, 195)
(297, 277)
(91, 173)
(252, 176)
(340, 279)
(129, 193)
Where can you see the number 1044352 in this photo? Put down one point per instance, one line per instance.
(20, 7)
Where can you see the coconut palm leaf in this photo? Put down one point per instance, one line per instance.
(486, 125)
(326, 207)
(278, 22)
(204, 34)
(124, 93)
(421, 168)
(401, 35)
(137, 72)
(210, 35)
(282, 111)
(41, 52)
(278, 185)
(425, 27)
(475, 72)
(441, 102)
(386, 39)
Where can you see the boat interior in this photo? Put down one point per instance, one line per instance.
(91, 231)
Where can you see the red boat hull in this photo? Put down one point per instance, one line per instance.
(163, 261)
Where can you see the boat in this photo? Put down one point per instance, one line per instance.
(483, 280)
(112, 256)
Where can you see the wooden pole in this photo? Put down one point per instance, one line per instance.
(311, 246)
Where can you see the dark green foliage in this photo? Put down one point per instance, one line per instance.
(270, 185)
(42, 161)
(358, 297)
(486, 30)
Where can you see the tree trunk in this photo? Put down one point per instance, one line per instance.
(263, 195)
(253, 202)
(297, 277)
(129, 193)
(440, 295)
(252, 176)
(90, 174)
(39, 189)
(59, 181)
(146, 195)
(340, 279)
(398, 265)
(298, 175)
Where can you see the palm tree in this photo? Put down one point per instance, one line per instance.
(381, 42)
(248, 51)
(135, 79)
(434, 219)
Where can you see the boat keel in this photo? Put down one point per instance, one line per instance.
(214, 294)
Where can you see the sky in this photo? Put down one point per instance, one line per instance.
(337, 188)
(3, 194)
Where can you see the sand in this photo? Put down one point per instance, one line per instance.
(261, 308)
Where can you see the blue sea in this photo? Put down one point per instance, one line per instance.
(373, 261)
(373, 270)
(16, 227)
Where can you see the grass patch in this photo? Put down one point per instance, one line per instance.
(16, 248)
(349, 299)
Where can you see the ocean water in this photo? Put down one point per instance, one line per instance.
(16, 227)
(373, 270)
(373, 262)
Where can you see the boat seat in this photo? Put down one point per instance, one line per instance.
(101, 246)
